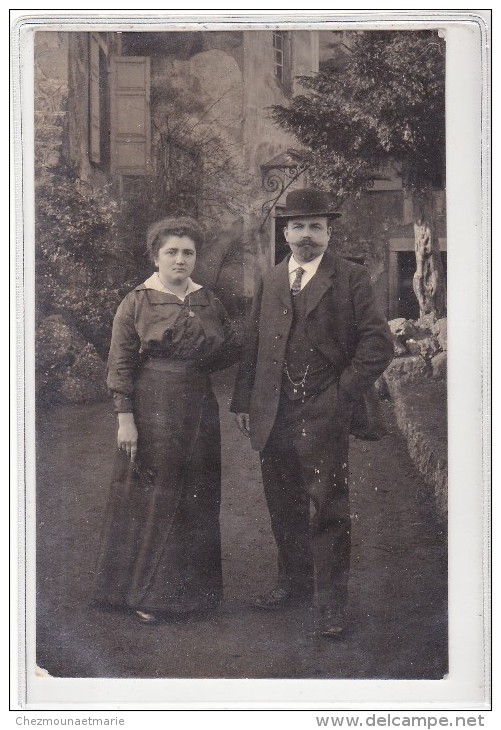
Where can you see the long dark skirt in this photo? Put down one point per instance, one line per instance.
(161, 545)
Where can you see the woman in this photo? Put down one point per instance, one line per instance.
(160, 552)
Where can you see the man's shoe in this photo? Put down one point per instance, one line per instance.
(279, 597)
(274, 600)
(332, 624)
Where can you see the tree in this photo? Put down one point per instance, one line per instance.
(384, 104)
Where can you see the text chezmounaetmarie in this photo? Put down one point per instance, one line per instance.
(56, 721)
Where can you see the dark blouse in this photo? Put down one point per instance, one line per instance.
(151, 323)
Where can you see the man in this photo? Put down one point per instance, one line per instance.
(316, 342)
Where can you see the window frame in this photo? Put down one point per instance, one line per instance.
(282, 59)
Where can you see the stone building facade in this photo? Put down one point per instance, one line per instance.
(177, 121)
(181, 119)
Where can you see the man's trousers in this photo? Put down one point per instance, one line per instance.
(305, 463)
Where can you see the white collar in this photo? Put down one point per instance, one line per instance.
(153, 282)
(310, 267)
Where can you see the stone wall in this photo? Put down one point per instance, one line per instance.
(62, 101)
(78, 105)
(417, 382)
(50, 98)
(78, 149)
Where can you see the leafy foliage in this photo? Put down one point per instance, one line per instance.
(385, 104)
(67, 368)
(84, 264)
(197, 156)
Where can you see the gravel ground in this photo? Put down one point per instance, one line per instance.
(398, 589)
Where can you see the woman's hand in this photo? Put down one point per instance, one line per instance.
(127, 434)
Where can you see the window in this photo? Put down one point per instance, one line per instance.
(282, 59)
(278, 49)
(130, 115)
(119, 110)
(281, 245)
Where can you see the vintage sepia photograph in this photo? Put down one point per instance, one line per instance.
(241, 352)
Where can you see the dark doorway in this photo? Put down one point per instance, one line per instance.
(281, 246)
(407, 305)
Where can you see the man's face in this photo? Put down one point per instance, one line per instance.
(307, 237)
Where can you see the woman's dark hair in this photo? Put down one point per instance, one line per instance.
(173, 226)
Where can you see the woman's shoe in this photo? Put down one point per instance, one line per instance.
(145, 617)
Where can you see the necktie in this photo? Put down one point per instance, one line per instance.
(296, 284)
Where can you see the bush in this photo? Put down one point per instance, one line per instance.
(57, 347)
(84, 267)
(83, 263)
(85, 380)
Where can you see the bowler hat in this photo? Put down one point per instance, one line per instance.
(308, 202)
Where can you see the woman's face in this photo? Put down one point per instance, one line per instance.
(175, 259)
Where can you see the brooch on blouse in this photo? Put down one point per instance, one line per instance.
(191, 313)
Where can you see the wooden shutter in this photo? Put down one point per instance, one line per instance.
(130, 115)
(94, 110)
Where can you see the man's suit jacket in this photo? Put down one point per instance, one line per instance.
(343, 322)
